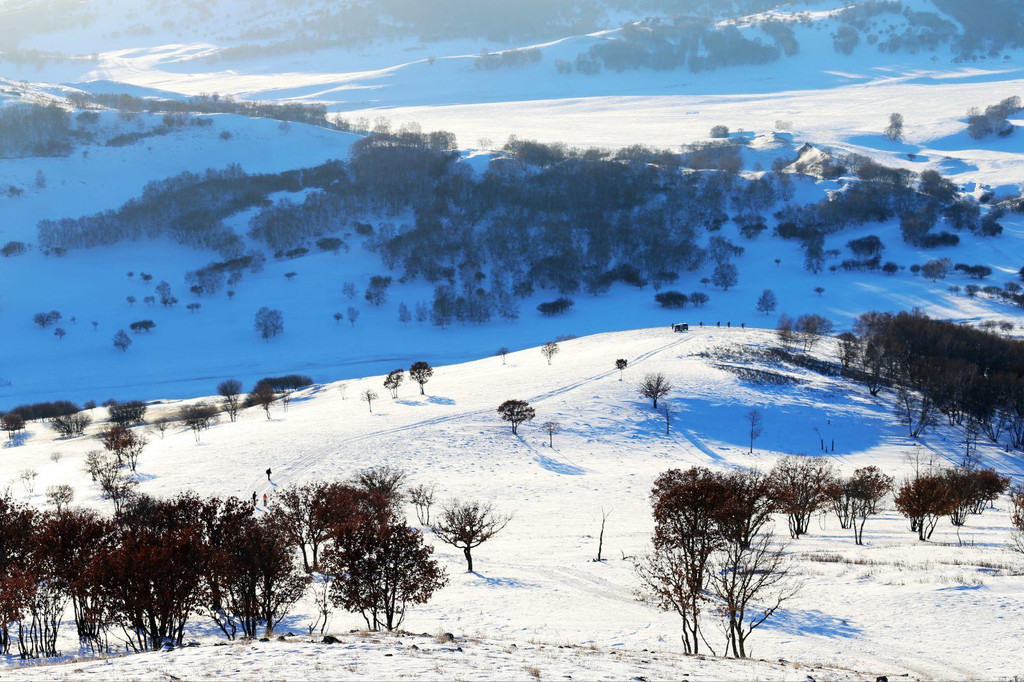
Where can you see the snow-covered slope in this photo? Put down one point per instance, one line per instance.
(885, 608)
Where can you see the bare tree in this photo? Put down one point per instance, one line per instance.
(767, 302)
(368, 396)
(801, 485)
(198, 417)
(13, 423)
(71, 425)
(422, 498)
(161, 424)
(385, 481)
(924, 499)
(848, 349)
(467, 525)
(502, 352)
(751, 584)
(265, 397)
(786, 330)
(60, 496)
(230, 389)
(600, 536)
(305, 513)
(915, 409)
(750, 504)
(676, 574)
(621, 365)
(393, 380)
(894, 131)
(654, 386)
(28, 479)
(549, 350)
(352, 315)
(551, 428)
(868, 486)
(122, 340)
(516, 412)
(754, 427)
(380, 569)
(269, 323)
(124, 445)
(421, 372)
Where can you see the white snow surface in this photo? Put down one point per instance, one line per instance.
(889, 607)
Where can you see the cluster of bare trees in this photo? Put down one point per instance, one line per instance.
(972, 377)
(805, 330)
(931, 492)
(714, 553)
(136, 578)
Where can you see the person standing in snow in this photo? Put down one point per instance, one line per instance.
(254, 498)
(264, 499)
(268, 473)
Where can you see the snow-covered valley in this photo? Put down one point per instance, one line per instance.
(400, 182)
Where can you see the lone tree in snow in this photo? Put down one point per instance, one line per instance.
(368, 396)
(198, 417)
(516, 412)
(766, 303)
(60, 496)
(504, 351)
(230, 389)
(122, 340)
(654, 386)
(551, 428)
(549, 350)
(754, 426)
(420, 372)
(725, 275)
(467, 525)
(621, 365)
(894, 131)
(393, 380)
(353, 315)
(269, 323)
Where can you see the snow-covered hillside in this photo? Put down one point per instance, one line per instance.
(189, 351)
(889, 607)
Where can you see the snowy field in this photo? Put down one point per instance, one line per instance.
(538, 606)
(890, 607)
